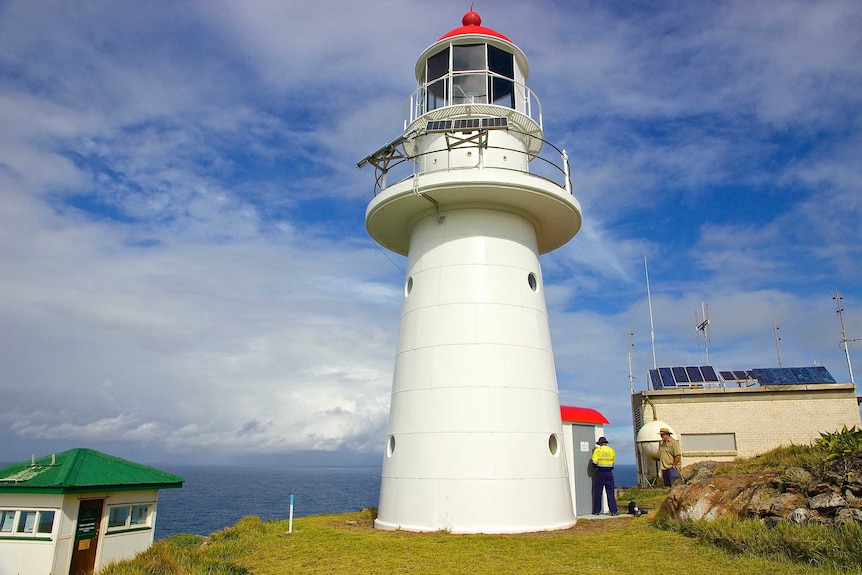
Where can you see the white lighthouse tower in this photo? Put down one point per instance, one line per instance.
(474, 443)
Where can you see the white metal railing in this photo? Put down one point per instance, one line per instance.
(551, 164)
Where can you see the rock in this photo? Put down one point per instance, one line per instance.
(848, 515)
(852, 499)
(827, 501)
(800, 515)
(700, 470)
(793, 495)
(718, 496)
(795, 478)
(782, 505)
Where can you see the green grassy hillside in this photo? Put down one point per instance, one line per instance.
(348, 544)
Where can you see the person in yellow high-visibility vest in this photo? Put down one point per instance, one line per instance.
(604, 458)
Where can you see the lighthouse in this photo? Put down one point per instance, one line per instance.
(472, 194)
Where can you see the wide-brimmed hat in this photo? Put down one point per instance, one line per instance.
(664, 430)
(602, 441)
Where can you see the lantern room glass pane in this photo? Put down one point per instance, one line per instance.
(469, 89)
(437, 86)
(501, 62)
(468, 57)
(438, 65)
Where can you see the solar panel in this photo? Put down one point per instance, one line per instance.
(727, 375)
(694, 374)
(495, 122)
(438, 125)
(792, 375)
(655, 379)
(708, 373)
(741, 375)
(819, 374)
(679, 374)
(467, 124)
(667, 379)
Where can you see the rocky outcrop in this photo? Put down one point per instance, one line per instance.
(792, 494)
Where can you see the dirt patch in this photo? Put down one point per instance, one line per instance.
(599, 526)
(582, 527)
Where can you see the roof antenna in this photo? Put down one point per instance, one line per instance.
(844, 339)
(775, 329)
(651, 327)
(702, 326)
(631, 375)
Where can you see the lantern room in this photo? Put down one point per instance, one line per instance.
(471, 65)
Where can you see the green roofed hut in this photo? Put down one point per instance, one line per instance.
(73, 512)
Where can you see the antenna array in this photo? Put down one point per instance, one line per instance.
(702, 327)
(844, 338)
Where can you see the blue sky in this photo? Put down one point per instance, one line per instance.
(185, 274)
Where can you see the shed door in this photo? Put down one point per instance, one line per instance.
(583, 442)
(86, 536)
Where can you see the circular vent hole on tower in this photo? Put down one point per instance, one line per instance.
(390, 446)
(553, 444)
(533, 281)
(408, 287)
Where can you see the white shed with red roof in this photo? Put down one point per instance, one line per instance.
(582, 427)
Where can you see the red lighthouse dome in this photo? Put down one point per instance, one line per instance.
(471, 23)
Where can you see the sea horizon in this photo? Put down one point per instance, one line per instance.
(217, 496)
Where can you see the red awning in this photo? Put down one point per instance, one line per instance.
(572, 414)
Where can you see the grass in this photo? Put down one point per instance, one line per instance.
(348, 544)
(835, 458)
(810, 458)
(838, 547)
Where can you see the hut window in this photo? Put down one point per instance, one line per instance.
(46, 522)
(125, 517)
(27, 522)
(7, 520)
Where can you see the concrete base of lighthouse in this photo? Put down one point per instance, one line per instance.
(475, 437)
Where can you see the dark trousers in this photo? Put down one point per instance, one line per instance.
(604, 480)
(670, 476)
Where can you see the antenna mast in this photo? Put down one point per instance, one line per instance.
(651, 327)
(702, 326)
(777, 339)
(631, 375)
(844, 339)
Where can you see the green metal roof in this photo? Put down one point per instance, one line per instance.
(82, 471)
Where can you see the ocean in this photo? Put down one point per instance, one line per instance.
(213, 498)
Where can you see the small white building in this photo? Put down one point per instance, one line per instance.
(74, 512)
(582, 427)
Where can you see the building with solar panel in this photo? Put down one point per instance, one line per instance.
(719, 416)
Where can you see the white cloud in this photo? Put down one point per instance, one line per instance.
(184, 268)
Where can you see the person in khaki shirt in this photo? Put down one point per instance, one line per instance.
(670, 456)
